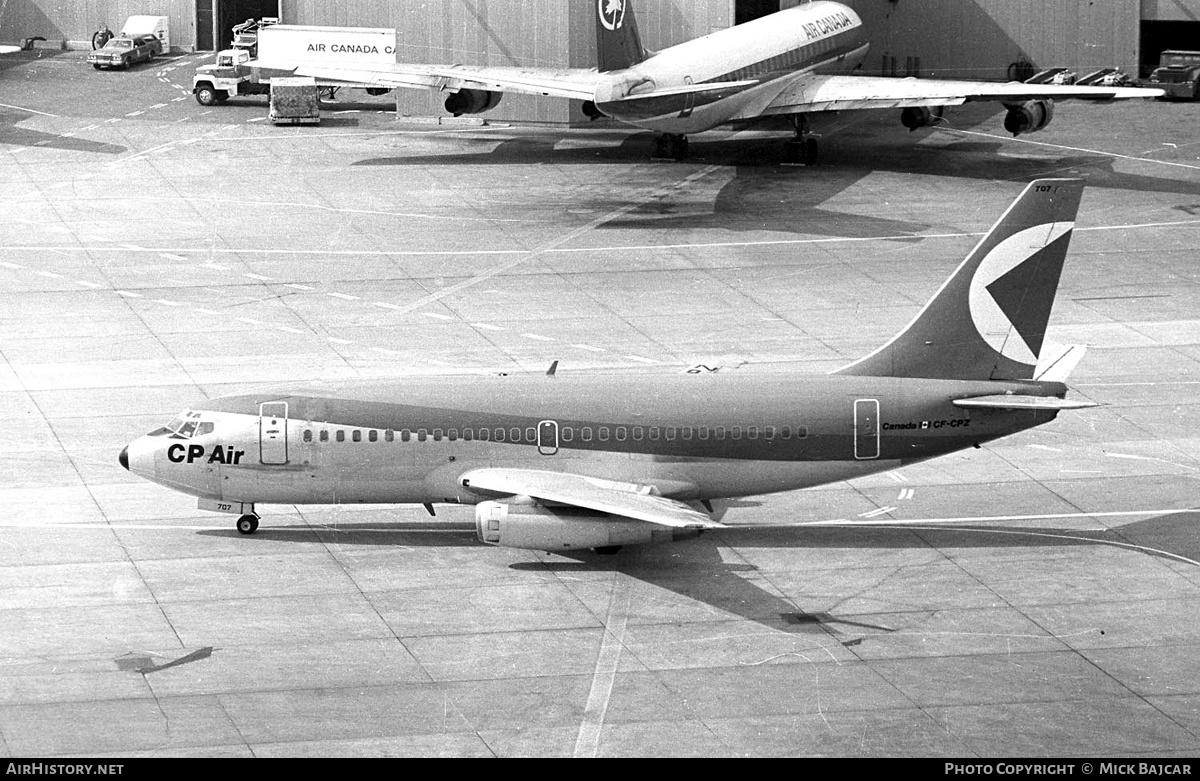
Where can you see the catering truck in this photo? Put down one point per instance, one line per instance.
(283, 47)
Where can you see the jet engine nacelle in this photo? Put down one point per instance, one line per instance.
(472, 101)
(590, 111)
(378, 90)
(1029, 116)
(914, 117)
(533, 527)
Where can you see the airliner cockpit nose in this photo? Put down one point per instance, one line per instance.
(124, 457)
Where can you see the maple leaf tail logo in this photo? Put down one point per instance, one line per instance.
(612, 13)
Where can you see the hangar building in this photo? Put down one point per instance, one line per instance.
(984, 39)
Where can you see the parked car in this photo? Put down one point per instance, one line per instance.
(124, 51)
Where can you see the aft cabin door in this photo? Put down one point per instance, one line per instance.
(866, 429)
(272, 432)
(548, 437)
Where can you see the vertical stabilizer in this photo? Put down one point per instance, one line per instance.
(988, 321)
(618, 44)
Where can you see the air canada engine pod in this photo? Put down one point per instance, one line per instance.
(533, 527)
(1028, 116)
(914, 117)
(472, 101)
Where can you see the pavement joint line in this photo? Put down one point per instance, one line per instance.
(608, 662)
(557, 250)
(1071, 148)
(256, 276)
(298, 287)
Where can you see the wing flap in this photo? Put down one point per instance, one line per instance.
(628, 500)
(1018, 402)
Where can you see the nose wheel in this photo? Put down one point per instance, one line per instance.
(248, 523)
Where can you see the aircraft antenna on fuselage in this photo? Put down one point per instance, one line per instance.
(988, 321)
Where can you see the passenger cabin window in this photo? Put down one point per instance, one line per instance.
(373, 435)
(324, 435)
(356, 435)
(307, 435)
(341, 435)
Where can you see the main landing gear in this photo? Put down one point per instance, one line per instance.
(671, 145)
(803, 148)
(248, 523)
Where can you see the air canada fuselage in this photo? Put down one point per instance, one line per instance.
(747, 66)
(693, 437)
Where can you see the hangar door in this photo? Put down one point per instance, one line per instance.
(215, 19)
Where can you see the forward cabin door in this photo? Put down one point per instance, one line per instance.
(866, 429)
(272, 432)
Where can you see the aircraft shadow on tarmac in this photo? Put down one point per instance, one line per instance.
(764, 194)
(12, 135)
(695, 569)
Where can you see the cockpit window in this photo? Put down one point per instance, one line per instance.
(185, 425)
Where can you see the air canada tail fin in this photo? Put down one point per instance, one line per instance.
(988, 321)
(618, 44)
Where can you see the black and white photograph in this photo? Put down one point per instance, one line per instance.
(600, 379)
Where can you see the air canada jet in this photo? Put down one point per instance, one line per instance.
(792, 63)
(567, 462)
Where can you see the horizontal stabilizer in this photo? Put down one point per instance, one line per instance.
(1014, 401)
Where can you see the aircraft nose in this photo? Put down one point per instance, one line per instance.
(124, 457)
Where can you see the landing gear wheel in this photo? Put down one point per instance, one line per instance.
(247, 524)
(803, 152)
(671, 145)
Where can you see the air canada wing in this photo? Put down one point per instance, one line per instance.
(844, 93)
(577, 83)
(629, 500)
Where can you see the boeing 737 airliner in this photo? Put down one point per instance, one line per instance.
(791, 63)
(569, 462)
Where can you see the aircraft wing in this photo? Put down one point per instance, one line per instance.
(843, 93)
(577, 83)
(629, 500)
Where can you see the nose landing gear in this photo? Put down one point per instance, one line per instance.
(248, 523)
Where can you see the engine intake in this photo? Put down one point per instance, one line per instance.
(533, 527)
(472, 101)
(914, 117)
(1028, 117)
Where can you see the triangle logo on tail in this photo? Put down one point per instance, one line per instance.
(1009, 299)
